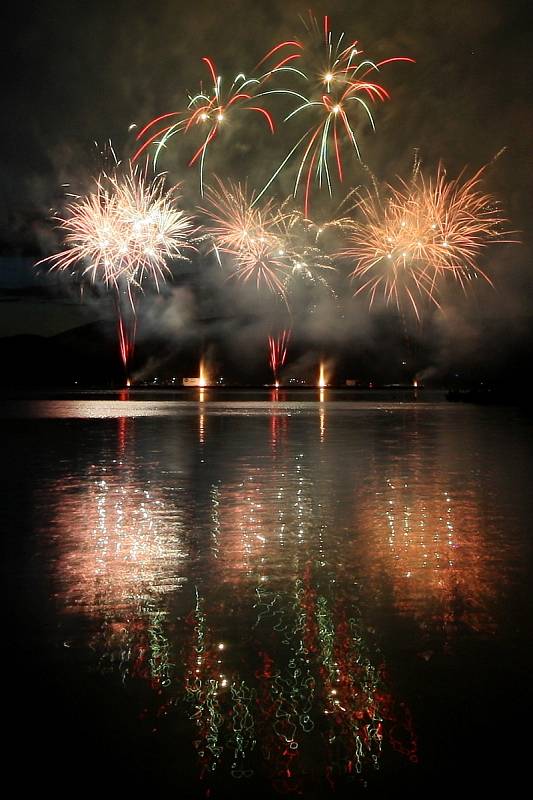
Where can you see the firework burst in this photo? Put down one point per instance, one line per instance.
(250, 234)
(208, 112)
(305, 258)
(157, 231)
(122, 235)
(272, 245)
(126, 229)
(427, 230)
(339, 87)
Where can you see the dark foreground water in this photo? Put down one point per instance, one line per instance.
(251, 596)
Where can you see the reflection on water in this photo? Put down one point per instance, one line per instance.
(308, 686)
(236, 564)
(117, 545)
(432, 550)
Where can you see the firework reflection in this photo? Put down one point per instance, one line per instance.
(432, 551)
(120, 556)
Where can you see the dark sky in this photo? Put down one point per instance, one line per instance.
(78, 72)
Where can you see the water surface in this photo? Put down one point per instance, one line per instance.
(279, 594)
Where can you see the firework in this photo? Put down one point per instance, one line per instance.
(425, 231)
(339, 88)
(277, 353)
(203, 379)
(156, 230)
(122, 235)
(126, 229)
(209, 112)
(305, 259)
(250, 234)
(270, 244)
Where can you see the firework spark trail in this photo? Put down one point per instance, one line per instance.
(277, 352)
(121, 235)
(126, 229)
(234, 220)
(126, 335)
(338, 86)
(207, 112)
(428, 230)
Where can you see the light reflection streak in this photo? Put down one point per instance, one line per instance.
(322, 417)
(316, 701)
(279, 426)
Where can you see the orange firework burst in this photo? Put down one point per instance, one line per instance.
(271, 244)
(427, 230)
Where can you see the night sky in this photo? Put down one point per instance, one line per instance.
(78, 73)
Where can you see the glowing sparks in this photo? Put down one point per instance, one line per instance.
(249, 234)
(128, 228)
(401, 246)
(428, 230)
(305, 258)
(203, 380)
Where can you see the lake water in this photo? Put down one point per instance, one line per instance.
(227, 595)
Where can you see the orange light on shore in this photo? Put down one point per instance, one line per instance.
(322, 377)
(203, 375)
(128, 383)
